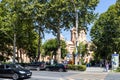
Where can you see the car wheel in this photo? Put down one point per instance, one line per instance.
(38, 69)
(47, 69)
(15, 76)
(60, 70)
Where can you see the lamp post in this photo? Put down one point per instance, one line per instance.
(14, 48)
(76, 16)
(76, 23)
(14, 40)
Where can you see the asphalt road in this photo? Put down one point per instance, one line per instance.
(72, 75)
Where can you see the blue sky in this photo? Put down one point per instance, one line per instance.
(102, 7)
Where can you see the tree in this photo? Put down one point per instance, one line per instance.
(26, 36)
(60, 15)
(105, 32)
(39, 22)
(22, 17)
(5, 31)
(50, 48)
(18, 21)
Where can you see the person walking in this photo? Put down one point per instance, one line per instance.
(87, 61)
(106, 66)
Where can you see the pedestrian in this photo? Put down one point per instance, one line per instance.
(106, 66)
(87, 61)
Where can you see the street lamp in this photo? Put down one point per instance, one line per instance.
(14, 40)
(14, 48)
(76, 23)
(77, 43)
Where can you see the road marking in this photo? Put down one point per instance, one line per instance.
(46, 77)
(51, 78)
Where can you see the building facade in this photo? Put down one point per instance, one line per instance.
(71, 45)
(81, 39)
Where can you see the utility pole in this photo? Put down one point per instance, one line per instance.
(59, 46)
(14, 47)
(76, 24)
(14, 40)
(76, 16)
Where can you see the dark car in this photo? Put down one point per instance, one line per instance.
(14, 71)
(56, 67)
(36, 66)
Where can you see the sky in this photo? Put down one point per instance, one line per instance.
(101, 8)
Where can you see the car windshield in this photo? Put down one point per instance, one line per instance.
(16, 66)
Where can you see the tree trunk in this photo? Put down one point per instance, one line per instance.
(17, 56)
(59, 47)
(39, 42)
(21, 56)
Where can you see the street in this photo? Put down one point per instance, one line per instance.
(72, 75)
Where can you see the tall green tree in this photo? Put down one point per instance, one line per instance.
(50, 48)
(5, 28)
(26, 34)
(39, 11)
(58, 17)
(105, 32)
(61, 15)
(17, 19)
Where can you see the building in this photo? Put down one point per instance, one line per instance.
(81, 39)
(71, 45)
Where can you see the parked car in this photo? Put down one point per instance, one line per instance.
(14, 71)
(56, 67)
(36, 66)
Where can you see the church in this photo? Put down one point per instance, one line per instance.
(81, 39)
(71, 45)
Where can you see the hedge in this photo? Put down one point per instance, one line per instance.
(77, 67)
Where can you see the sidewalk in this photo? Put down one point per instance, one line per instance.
(95, 69)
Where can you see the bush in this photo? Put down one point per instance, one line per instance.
(118, 69)
(70, 66)
(77, 67)
(82, 67)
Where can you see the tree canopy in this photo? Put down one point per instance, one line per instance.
(50, 48)
(28, 20)
(106, 32)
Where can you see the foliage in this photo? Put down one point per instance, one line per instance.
(106, 32)
(77, 67)
(30, 19)
(61, 15)
(50, 47)
(63, 49)
(82, 49)
(118, 69)
(92, 47)
(13, 22)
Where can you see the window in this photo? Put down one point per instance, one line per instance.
(1, 66)
(7, 67)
